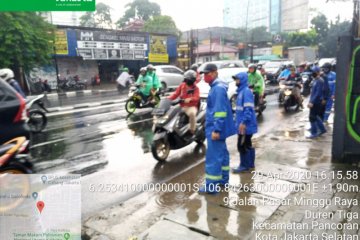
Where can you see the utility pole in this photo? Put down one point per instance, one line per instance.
(210, 46)
(191, 48)
(55, 59)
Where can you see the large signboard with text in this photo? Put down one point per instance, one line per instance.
(61, 42)
(111, 45)
(158, 49)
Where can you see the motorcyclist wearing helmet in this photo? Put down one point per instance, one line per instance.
(256, 81)
(190, 94)
(261, 70)
(330, 76)
(302, 67)
(194, 67)
(7, 75)
(294, 80)
(145, 83)
(285, 73)
(155, 80)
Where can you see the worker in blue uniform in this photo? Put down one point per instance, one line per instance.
(331, 79)
(245, 122)
(219, 125)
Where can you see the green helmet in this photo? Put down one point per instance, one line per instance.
(125, 69)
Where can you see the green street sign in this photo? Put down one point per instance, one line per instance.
(47, 5)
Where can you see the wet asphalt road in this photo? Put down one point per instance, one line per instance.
(110, 148)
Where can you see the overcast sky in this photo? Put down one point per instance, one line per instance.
(192, 14)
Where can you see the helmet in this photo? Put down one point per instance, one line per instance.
(194, 67)
(6, 74)
(315, 69)
(259, 66)
(252, 66)
(327, 67)
(150, 67)
(143, 69)
(290, 66)
(303, 64)
(190, 76)
(125, 69)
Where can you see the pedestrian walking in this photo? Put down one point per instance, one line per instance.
(316, 104)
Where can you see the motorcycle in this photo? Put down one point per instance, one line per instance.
(171, 129)
(258, 109)
(306, 81)
(282, 87)
(37, 116)
(14, 158)
(290, 100)
(72, 83)
(135, 100)
(261, 104)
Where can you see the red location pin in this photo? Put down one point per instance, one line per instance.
(40, 205)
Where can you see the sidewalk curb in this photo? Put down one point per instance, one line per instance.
(88, 105)
(74, 93)
(84, 105)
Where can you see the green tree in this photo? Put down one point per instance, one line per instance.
(327, 34)
(26, 41)
(100, 18)
(259, 34)
(143, 9)
(328, 47)
(308, 38)
(321, 25)
(161, 24)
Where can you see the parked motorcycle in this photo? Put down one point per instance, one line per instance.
(14, 158)
(37, 116)
(306, 82)
(72, 83)
(135, 100)
(171, 129)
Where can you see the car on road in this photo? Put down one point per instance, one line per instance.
(273, 68)
(225, 75)
(224, 64)
(13, 114)
(169, 76)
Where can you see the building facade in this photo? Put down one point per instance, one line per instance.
(294, 15)
(87, 52)
(275, 15)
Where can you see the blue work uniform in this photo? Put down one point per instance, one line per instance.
(331, 80)
(246, 115)
(219, 118)
(316, 97)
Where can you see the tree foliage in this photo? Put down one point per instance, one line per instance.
(26, 40)
(321, 26)
(101, 18)
(161, 24)
(328, 34)
(144, 10)
(259, 34)
(328, 47)
(308, 38)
